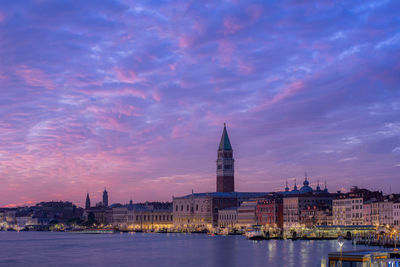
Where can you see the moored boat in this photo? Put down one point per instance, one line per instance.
(255, 233)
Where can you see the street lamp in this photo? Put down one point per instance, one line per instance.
(340, 243)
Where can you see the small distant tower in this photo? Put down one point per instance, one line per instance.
(105, 198)
(87, 205)
(318, 187)
(287, 187)
(295, 185)
(225, 165)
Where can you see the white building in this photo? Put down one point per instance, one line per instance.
(291, 212)
(246, 214)
(144, 217)
(228, 218)
(386, 212)
(396, 214)
(348, 211)
(367, 213)
(292, 206)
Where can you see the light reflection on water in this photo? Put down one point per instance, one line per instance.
(66, 249)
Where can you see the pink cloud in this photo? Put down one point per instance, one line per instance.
(127, 76)
(254, 12)
(231, 25)
(290, 90)
(2, 17)
(185, 41)
(156, 96)
(172, 66)
(244, 68)
(126, 110)
(20, 204)
(225, 52)
(34, 77)
(116, 93)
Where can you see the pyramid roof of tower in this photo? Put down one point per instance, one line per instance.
(225, 144)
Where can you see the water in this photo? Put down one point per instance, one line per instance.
(138, 249)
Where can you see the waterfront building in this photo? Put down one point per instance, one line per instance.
(247, 214)
(58, 211)
(143, 216)
(201, 210)
(307, 200)
(348, 211)
(101, 215)
(31, 221)
(385, 211)
(269, 212)
(227, 218)
(314, 215)
(367, 212)
(324, 217)
(120, 217)
(10, 216)
(396, 214)
(375, 213)
(150, 216)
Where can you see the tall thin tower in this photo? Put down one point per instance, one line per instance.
(105, 198)
(87, 204)
(225, 165)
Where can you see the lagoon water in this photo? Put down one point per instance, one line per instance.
(138, 249)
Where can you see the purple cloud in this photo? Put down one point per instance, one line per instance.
(132, 96)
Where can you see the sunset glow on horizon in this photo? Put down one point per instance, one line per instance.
(132, 96)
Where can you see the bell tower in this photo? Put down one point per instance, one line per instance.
(225, 165)
(87, 204)
(105, 198)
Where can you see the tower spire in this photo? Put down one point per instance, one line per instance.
(225, 143)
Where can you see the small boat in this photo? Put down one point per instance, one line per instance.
(255, 233)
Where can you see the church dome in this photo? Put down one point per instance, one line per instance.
(306, 188)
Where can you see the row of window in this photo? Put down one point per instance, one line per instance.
(187, 207)
(154, 218)
(226, 167)
(227, 217)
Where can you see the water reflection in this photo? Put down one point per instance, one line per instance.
(66, 249)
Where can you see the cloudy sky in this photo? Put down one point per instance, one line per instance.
(132, 96)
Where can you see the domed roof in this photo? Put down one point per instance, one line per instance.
(294, 191)
(306, 186)
(306, 189)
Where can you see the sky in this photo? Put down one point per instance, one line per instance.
(132, 96)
